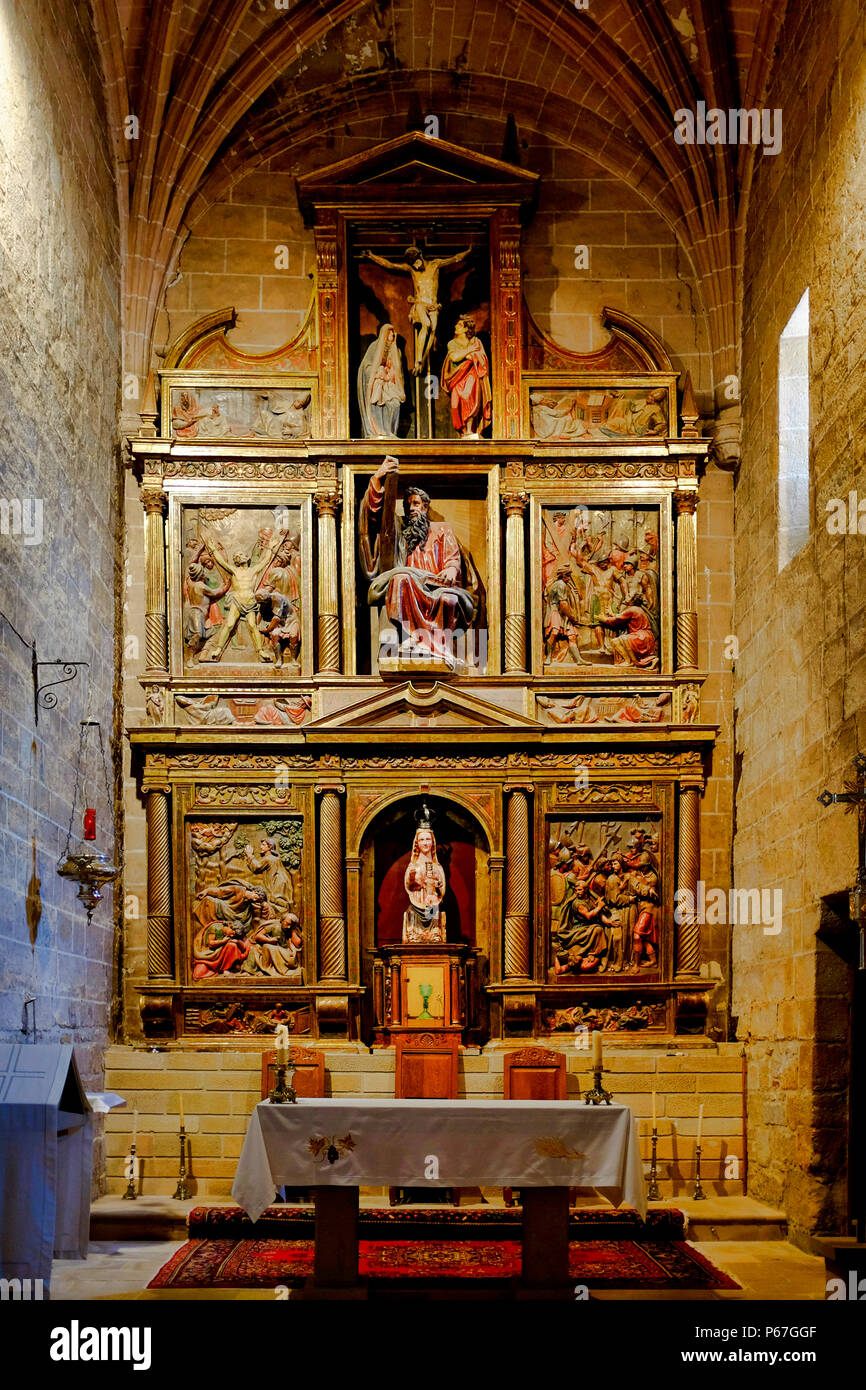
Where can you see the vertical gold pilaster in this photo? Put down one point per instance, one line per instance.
(159, 916)
(688, 869)
(155, 632)
(686, 504)
(507, 325)
(328, 597)
(517, 945)
(332, 915)
(515, 582)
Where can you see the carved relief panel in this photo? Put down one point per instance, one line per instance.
(240, 588)
(602, 585)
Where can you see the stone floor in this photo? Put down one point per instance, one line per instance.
(766, 1269)
(739, 1235)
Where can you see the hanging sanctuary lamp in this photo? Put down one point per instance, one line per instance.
(89, 867)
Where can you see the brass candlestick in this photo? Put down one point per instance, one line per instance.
(282, 1090)
(699, 1195)
(130, 1194)
(653, 1194)
(598, 1095)
(183, 1189)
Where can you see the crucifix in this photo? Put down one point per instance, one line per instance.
(854, 799)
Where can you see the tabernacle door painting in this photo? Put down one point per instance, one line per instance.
(244, 901)
(603, 585)
(605, 898)
(243, 574)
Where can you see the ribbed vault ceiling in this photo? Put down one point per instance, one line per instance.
(220, 86)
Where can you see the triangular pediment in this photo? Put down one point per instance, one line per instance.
(435, 707)
(413, 167)
(434, 159)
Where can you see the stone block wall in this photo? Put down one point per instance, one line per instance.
(59, 397)
(801, 673)
(220, 1088)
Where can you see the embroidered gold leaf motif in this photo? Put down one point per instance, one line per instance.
(553, 1147)
(329, 1147)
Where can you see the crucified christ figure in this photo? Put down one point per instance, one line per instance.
(423, 303)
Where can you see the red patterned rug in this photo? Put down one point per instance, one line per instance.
(610, 1264)
(284, 1222)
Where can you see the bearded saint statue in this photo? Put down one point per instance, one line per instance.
(428, 582)
(424, 881)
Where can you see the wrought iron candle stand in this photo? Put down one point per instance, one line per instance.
(282, 1090)
(699, 1195)
(183, 1189)
(598, 1095)
(130, 1194)
(653, 1194)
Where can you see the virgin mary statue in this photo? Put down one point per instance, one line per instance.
(380, 386)
(424, 881)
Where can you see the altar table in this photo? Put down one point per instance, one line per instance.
(337, 1145)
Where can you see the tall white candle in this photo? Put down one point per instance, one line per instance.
(654, 1109)
(700, 1123)
(282, 1045)
(597, 1058)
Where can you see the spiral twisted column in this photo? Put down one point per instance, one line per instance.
(159, 934)
(517, 945)
(332, 915)
(686, 504)
(515, 582)
(155, 632)
(328, 599)
(688, 870)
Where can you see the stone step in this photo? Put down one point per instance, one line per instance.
(161, 1218)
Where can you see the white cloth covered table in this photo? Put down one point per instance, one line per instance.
(379, 1142)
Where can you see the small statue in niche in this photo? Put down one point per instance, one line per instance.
(424, 881)
(380, 386)
(155, 704)
(466, 377)
(424, 303)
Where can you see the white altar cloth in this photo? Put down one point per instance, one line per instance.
(379, 1142)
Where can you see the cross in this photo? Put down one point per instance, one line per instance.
(854, 798)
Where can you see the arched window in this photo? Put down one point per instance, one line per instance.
(794, 433)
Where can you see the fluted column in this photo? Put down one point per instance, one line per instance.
(328, 598)
(159, 932)
(155, 636)
(517, 944)
(687, 581)
(332, 916)
(688, 869)
(515, 582)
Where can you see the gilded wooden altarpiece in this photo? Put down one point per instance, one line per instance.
(301, 734)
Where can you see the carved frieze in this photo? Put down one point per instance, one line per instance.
(241, 1016)
(245, 471)
(606, 1016)
(602, 470)
(609, 793)
(244, 794)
